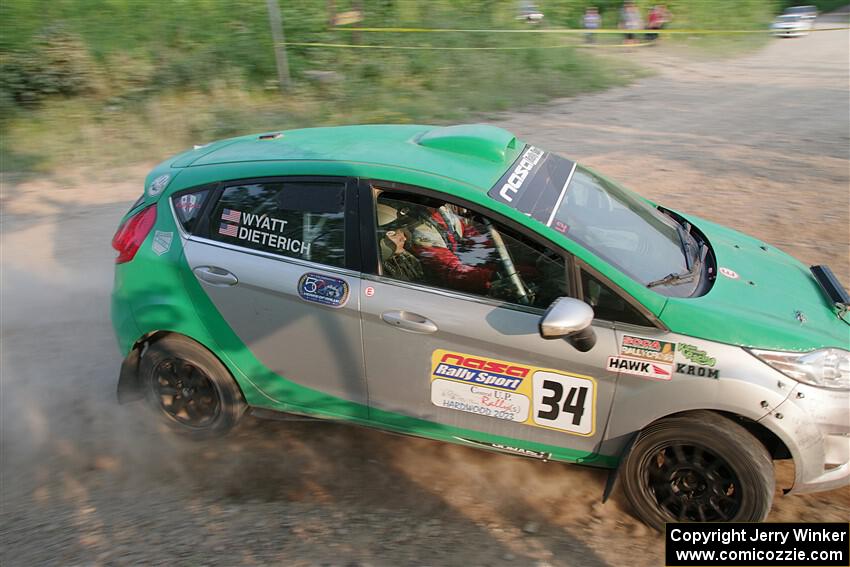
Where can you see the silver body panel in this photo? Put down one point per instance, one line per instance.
(310, 344)
(815, 426)
(398, 362)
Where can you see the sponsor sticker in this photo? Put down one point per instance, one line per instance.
(537, 397)
(161, 242)
(696, 370)
(158, 184)
(696, 355)
(648, 349)
(642, 368)
(508, 449)
(369, 291)
(188, 205)
(322, 289)
(513, 182)
(731, 274)
(480, 400)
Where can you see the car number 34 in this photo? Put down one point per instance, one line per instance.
(563, 402)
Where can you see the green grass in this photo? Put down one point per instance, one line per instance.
(106, 133)
(103, 82)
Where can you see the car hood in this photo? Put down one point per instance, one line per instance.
(762, 298)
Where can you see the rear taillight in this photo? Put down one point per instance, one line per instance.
(132, 233)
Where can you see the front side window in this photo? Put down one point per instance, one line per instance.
(439, 244)
(303, 220)
(607, 304)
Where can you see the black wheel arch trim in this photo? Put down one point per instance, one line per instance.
(129, 383)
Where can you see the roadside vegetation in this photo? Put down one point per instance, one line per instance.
(110, 81)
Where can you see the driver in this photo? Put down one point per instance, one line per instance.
(450, 257)
(436, 253)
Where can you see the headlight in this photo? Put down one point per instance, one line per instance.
(825, 368)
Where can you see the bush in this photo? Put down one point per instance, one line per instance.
(58, 65)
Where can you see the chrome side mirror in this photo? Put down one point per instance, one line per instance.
(569, 318)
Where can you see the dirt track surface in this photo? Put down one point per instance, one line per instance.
(759, 143)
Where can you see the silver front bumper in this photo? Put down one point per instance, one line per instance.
(815, 425)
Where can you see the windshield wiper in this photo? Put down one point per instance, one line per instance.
(692, 265)
(682, 277)
(684, 231)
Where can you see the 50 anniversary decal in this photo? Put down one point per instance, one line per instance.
(516, 392)
(326, 290)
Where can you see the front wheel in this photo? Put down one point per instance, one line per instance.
(190, 389)
(699, 467)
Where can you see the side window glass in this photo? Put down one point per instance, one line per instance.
(446, 246)
(188, 207)
(607, 304)
(297, 220)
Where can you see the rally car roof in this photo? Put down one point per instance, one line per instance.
(475, 154)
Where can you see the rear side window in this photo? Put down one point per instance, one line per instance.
(302, 220)
(188, 206)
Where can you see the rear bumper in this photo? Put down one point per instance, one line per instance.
(790, 33)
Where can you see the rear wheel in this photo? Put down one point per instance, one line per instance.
(699, 467)
(189, 388)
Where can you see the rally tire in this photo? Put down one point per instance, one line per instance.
(190, 389)
(699, 466)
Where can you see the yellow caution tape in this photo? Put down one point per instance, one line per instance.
(569, 31)
(415, 47)
(598, 45)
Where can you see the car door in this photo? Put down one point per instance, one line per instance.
(275, 259)
(450, 339)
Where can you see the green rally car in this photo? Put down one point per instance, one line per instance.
(458, 284)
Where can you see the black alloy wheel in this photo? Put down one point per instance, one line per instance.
(189, 388)
(698, 467)
(691, 483)
(186, 394)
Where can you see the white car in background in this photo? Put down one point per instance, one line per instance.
(529, 12)
(805, 12)
(791, 25)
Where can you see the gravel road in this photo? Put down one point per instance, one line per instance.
(760, 143)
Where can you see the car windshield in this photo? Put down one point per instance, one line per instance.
(613, 223)
(788, 18)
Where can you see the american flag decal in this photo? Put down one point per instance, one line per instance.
(231, 215)
(228, 229)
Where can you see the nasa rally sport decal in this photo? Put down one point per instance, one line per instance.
(508, 188)
(647, 358)
(516, 392)
(322, 289)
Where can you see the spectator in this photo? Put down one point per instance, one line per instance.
(658, 17)
(591, 21)
(630, 20)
